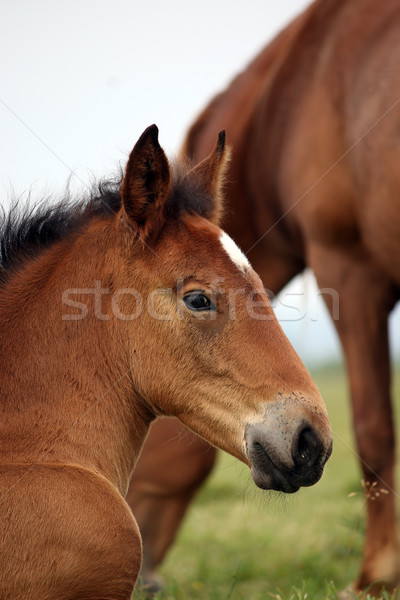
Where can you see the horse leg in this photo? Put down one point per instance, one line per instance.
(366, 298)
(173, 464)
(67, 533)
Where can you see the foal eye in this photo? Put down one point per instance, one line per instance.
(198, 301)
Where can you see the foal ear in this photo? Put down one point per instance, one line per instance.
(211, 174)
(145, 184)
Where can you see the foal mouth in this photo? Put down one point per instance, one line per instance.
(283, 466)
(266, 475)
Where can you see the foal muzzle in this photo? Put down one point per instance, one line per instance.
(288, 449)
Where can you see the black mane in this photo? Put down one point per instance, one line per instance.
(25, 231)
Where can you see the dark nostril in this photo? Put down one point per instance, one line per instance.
(307, 448)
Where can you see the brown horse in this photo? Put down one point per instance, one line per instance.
(314, 122)
(131, 305)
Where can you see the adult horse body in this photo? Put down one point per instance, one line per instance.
(84, 371)
(314, 123)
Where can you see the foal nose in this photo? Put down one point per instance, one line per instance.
(287, 453)
(307, 449)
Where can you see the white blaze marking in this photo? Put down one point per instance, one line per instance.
(234, 252)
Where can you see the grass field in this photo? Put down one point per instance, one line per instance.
(239, 543)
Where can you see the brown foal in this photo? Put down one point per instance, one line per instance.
(113, 311)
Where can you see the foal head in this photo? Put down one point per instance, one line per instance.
(207, 348)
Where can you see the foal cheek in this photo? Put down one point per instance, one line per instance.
(208, 327)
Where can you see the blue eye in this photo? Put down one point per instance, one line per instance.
(198, 301)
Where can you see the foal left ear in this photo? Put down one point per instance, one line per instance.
(211, 174)
(145, 184)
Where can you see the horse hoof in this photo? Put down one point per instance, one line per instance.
(150, 584)
(349, 593)
(374, 591)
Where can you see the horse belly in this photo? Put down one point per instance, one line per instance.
(66, 534)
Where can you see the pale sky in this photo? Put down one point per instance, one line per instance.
(80, 80)
(87, 77)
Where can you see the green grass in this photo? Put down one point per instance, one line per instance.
(239, 543)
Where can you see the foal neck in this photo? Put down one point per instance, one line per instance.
(67, 388)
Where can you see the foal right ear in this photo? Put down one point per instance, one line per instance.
(145, 184)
